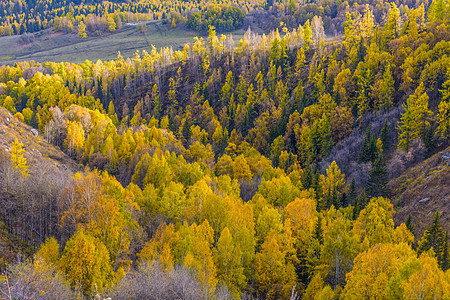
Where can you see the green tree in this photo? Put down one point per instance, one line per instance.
(434, 238)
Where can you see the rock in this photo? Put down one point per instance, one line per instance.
(424, 200)
(35, 132)
(446, 156)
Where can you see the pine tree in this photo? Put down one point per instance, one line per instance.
(409, 224)
(368, 148)
(378, 178)
(434, 238)
(356, 209)
(385, 135)
(353, 193)
(318, 230)
(445, 253)
(428, 141)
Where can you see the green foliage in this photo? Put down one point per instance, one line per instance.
(223, 18)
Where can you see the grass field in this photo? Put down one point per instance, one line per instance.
(58, 47)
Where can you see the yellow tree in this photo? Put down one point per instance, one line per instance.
(82, 30)
(86, 263)
(428, 282)
(75, 137)
(17, 158)
(49, 251)
(196, 246)
(340, 246)
(332, 185)
(414, 120)
(161, 246)
(100, 206)
(228, 259)
(443, 120)
(372, 270)
(274, 276)
(375, 224)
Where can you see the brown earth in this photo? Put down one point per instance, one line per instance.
(421, 191)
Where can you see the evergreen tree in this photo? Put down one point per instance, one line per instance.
(307, 179)
(385, 135)
(409, 224)
(353, 193)
(378, 179)
(368, 148)
(318, 230)
(344, 200)
(356, 209)
(434, 238)
(428, 141)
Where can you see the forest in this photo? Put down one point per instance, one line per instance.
(250, 169)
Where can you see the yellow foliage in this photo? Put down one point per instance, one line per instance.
(17, 158)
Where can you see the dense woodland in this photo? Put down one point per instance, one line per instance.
(254, 169)
(94, 18)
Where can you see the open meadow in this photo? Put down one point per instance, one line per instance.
(69, 47)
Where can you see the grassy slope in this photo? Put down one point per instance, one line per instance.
(430, 179)
(60, 47)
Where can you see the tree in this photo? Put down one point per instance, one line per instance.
(386, 94)
(339, 249)
(228, 258)
(86, 262)
(385, 135)
(332, 185)
(307, 35)
(414, 120)
(82, 30)
(443, 120)
(274, 276)
(74, 142)
(437, 10)
(378, 178)
(409, 224)
(49, 251)
(375, 223)
(391, 28)
(317, 30)
(17, 158)
(111, 23)
(434, 238)
(373, 269)
(368, 148)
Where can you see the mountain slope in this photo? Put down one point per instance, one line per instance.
(422, 190)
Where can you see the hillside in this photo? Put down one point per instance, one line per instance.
(37, 150)
(48, 167)
(225, 169)
(421, 191)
